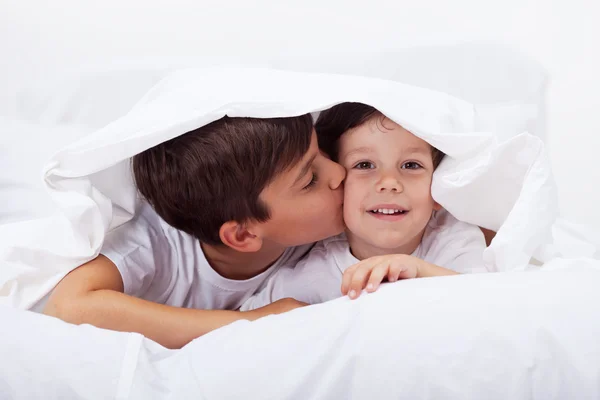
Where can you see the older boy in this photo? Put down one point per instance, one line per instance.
(228, 203)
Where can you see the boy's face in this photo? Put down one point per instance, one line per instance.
(305, 201)
(387, 197)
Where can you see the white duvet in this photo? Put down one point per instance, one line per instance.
(453, 338)
(506, 335)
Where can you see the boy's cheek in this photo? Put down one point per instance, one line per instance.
(351, 192)
(354, 182)
(355, 186)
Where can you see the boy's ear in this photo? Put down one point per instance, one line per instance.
(436, 206)
(240, 237)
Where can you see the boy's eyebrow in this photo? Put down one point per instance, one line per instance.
(408, 150)
(359, 150)
(417, 149)
(305, 168)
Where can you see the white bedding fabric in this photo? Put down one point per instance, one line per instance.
(506, 88)
(488, 179)
(24, 149)
(506, 335)
(528, 335)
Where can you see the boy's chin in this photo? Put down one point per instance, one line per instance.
(389, 243)
(389, 247)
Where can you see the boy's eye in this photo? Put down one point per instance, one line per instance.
(364, 165)
(411, 165)
(312, 182)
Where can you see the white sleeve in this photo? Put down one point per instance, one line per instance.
(312, 280)
(137, 249)
(459, 248)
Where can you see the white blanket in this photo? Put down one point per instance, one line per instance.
(530, 335)
(488, 179)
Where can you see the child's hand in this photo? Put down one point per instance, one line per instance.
(369, 273)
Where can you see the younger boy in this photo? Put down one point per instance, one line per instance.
(392, 223)
(228, 203)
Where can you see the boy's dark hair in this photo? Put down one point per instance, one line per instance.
(198, 181)
(332, 124)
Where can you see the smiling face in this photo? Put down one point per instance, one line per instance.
(387, 193)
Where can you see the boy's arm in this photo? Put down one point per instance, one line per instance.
(428, 270)
(93, 294)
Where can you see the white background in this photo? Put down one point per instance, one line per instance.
(38, 38)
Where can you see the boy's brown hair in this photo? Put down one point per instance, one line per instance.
(332, 124)
(198, 181)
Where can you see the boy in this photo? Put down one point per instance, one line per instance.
(394, 228)
(228, 203)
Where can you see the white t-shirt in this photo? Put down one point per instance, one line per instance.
(446, 242)
(162, 264)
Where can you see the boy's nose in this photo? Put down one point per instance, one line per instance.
(338, 174)
(389, 183)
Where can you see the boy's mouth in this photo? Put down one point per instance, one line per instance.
(389, 212)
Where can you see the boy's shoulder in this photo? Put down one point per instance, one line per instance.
(442, 222)
(444, 229)
(332, 244)
(333, 251)
(149, 240)
(292, 255)
(147, 230)
(145, 222)
(453, 244)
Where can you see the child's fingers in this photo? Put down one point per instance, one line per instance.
(377, 275)
(350, 271)
(395, 270)
(358, 282)
(347, 278)
(408, 270)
